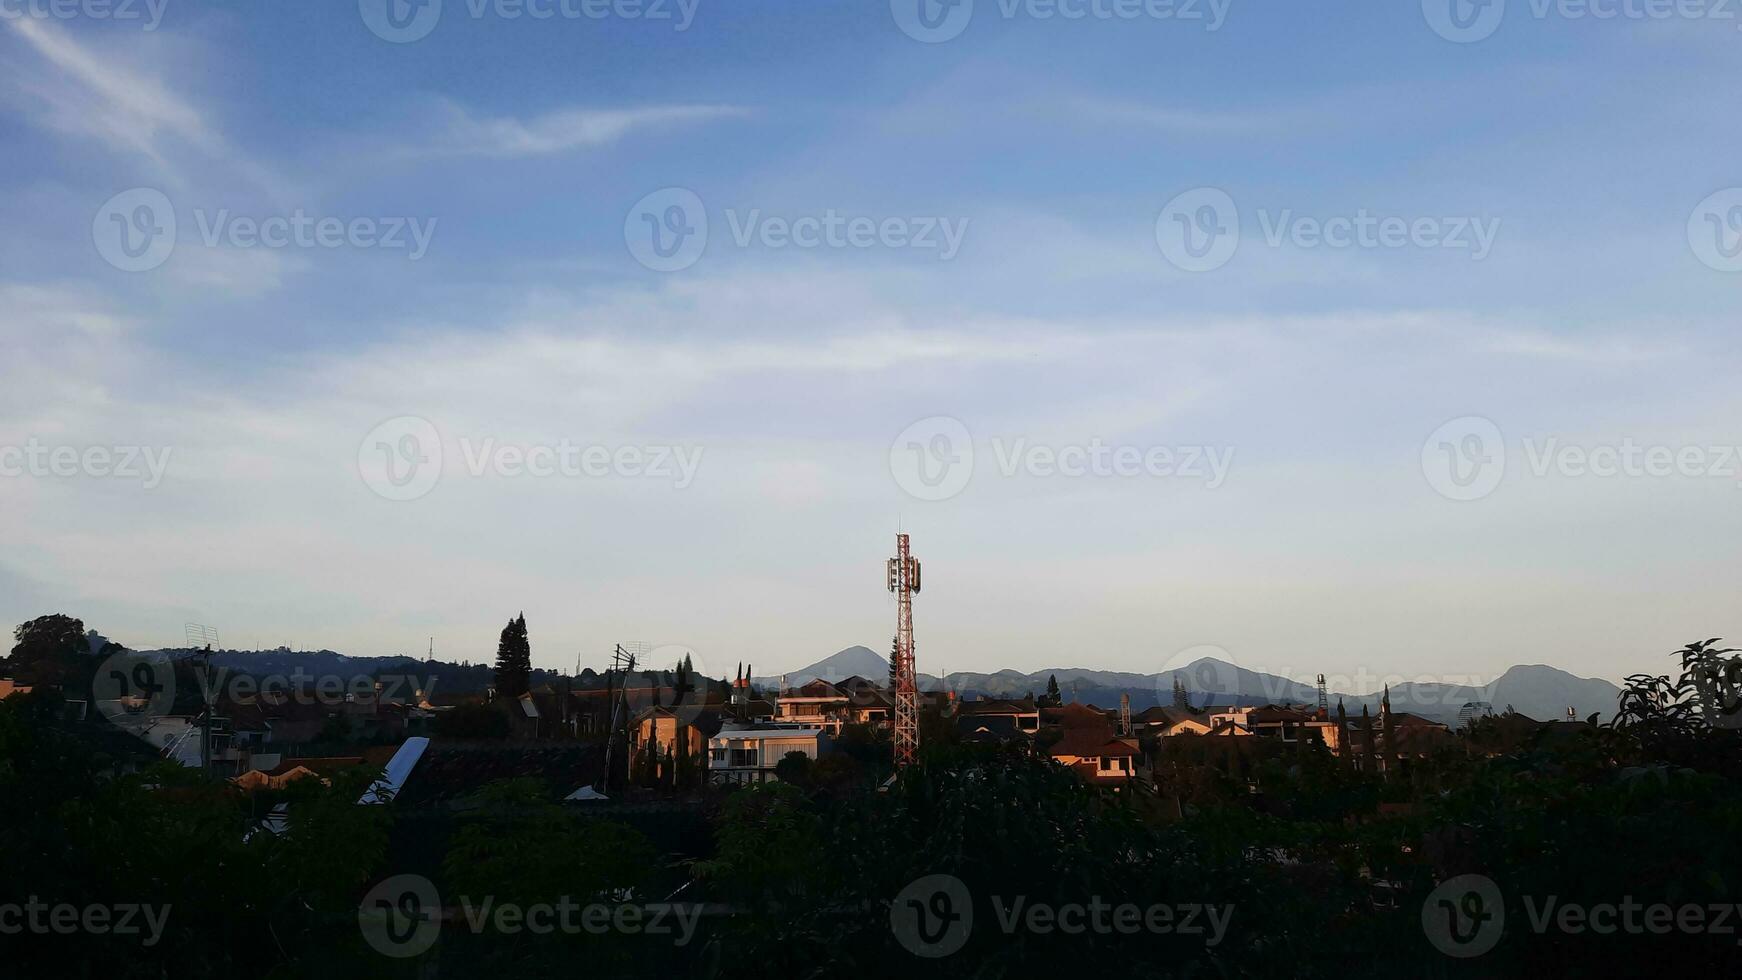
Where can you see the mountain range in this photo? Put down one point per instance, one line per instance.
(1535, 690)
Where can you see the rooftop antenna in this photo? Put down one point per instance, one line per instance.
(196, 636)
(1324, 702)
(902, 576)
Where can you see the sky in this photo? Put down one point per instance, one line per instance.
(1350, 338)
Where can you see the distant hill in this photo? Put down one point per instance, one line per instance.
(1535, 690)
(860, 661)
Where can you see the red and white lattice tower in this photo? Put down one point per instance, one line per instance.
(903, 576)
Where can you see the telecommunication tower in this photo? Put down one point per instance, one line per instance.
(902, 573)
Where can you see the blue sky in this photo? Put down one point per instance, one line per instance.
(1591, 148)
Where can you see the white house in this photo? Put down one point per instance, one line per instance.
(748, 752)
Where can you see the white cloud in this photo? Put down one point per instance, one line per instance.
(100, 96)
(463, 134)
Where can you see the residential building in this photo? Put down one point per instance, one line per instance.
(653, 740)
(748, 753)
(1097, 755)
(817, 704)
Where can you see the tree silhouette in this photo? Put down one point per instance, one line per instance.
(514, 659)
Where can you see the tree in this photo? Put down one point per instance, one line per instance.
(46, 648)
(1053, 698)
(794, 768)
(514, 659)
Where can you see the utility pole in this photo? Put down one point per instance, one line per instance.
(622, 665)
(902, 573)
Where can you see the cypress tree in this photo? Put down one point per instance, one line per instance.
(513, 674)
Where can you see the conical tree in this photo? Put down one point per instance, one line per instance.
(1053, 697)
(514, 659)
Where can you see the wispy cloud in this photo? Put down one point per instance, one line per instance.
(77, 90)
(460, 133)
(99, 97)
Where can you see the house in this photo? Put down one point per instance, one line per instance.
(817, 704)
(1075, 715)
(653, 740)
(1382, 744)
(1023, 715)
(1097, 755)
(1167, 722)
(867, 703)
(1282, 723)
(749, 752)
(9, 688)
